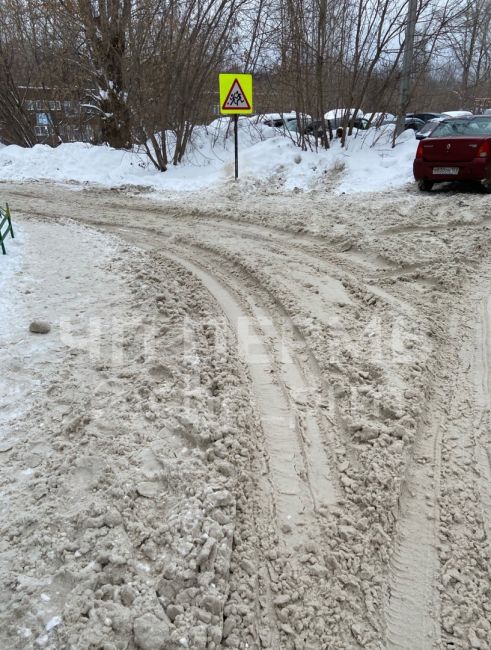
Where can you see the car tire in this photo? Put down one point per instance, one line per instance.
(425, 185)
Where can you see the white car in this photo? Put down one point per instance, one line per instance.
(339, 113)
(280, 119)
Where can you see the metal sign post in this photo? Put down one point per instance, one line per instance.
(236, 145)
(235, 100)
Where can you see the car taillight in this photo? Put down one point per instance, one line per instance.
(419, 150)
(484, 150)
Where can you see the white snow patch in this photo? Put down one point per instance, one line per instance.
(24, 632)
(53, 622)
(457, 114)
(266, 155)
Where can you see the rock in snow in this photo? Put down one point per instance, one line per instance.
(39, 327)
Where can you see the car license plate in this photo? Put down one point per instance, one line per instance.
(446, 170)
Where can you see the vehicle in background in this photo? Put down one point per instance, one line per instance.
(277, 119)
(360, 123)
(318, 128)
(426, 117)
(457, 114)
(487, 111)
(341, 113)
(379, 118)
(413, 123)
(458, 150)
(428, 128)
(337, 118)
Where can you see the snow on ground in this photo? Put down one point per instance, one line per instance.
(160, 489)
(46, 275)
(266, 156)
(43, 277)
(103, 422)
(145, 500)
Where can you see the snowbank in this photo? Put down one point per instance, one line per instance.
(266, 156)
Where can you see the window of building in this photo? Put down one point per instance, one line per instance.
(43, 119)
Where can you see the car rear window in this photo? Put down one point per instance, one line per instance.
(482, 125)
(429, 126)
(477, 126)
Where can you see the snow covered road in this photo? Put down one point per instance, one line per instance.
(283, 439)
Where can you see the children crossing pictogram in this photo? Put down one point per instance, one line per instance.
(235, 94)
(236, 98)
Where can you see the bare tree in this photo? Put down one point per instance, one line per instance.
(15, 127)
(176, 76)
(103, 27)
(470, 43)
(148, 68)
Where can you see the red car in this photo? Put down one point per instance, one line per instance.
(459, 149)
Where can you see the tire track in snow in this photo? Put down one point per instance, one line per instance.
(299, 467)
(410, 607)
(297, 368)
(483, 436)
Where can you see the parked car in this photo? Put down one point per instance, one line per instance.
(306, 125)
(428, 128)
(379, 118)
(425, 116)
(277, 119)
(360, 123)
(413, 123)
(339, 113)
(458, 150)
(309, 126)
(317, 127)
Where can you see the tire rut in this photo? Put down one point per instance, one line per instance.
(297, 460)
(483, 428)
(411, 604)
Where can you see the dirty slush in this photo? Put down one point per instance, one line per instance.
(247, 427)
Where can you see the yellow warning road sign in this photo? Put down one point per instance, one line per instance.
(235, 94)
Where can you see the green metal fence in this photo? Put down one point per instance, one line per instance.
(5, 226)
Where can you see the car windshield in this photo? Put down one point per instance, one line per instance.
(477, 126)
(293, 125)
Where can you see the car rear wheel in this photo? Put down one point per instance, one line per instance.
(425, 185)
